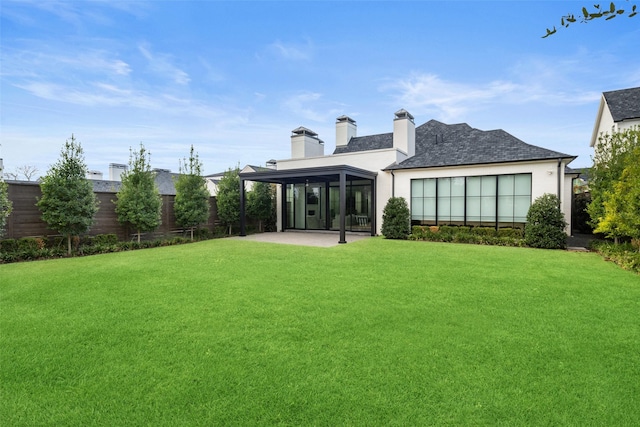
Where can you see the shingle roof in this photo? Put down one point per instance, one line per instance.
(439, 144)
(624, 104)
(366, 143)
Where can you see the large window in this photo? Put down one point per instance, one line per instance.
(493, 200)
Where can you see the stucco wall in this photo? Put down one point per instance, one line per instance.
(544, 179)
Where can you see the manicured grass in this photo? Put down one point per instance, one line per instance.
(377, 332)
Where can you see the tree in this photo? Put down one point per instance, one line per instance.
(396, 219)
(68, 202)
(612, 155)
(545, 224)
(622, 205)
(138, 202)
(228, 198)
(5, 204)
(260, 202)
(191, 205)
(27, 171)
(596, 13)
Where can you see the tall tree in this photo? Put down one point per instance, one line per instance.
(260, 202)
(613, 153)
(228, 198)
(138, 202)
(191, 205)
(606, 12)
(68, 202)
(5, 204)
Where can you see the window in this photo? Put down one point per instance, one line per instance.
(491, 200)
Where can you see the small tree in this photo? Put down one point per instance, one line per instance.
(228, 198)
(191, 205)
(396, 219)
(68, 202)
(260, 202)
(622, 207)
(139, 203)
(545, 224)
(5, 204)
(611, 157)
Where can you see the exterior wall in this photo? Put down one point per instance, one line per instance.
(544, 179)
(374, 160)
(606, 126)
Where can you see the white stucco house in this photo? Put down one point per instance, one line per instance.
(619, 110)
(449, 174)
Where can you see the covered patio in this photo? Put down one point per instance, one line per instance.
(320, 198)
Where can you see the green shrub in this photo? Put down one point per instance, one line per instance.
(515, 233)
(545, 224)
(8, 245)
(105, 239)
(484, 231)
(396, 219)
(623, 254)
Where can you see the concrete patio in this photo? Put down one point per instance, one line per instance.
(304, 238)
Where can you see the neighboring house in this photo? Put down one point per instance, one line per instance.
(164, 178)
(619, 110)
(449, 174)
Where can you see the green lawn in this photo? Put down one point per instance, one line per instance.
(377, 332)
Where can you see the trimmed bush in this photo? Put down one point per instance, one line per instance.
(396, 219)
(105, 239)
(471, 235)
(545, 224)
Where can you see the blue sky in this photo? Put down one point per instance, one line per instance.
(234, 78)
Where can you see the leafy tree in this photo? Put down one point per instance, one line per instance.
(68, 202)
(396, 219)
(191, 205)
(545, 224)
(613, 153)
(139, 203)
(5, 204)
(622, 205)
(260, 202)
(586, 15)
(228, 198)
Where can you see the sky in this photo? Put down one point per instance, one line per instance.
(234, 78)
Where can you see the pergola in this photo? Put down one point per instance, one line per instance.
(327, 174)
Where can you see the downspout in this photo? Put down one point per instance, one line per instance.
(393, 184)
(559, 181)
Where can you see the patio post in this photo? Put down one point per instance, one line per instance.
(343, 206)
(242, 217)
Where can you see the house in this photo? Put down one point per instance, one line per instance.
(449, 174)
(619, 110)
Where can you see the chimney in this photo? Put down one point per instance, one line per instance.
(345, 130)
(404, 132)
(305, 143)
(115, 170)
(272, 164)
(94, 175)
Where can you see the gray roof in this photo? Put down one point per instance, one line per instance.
(624, 104)
(366, 143)
(439, 144)
(164, 181)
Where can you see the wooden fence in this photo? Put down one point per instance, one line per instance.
(26, 219)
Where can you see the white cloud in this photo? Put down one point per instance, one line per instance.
(162, 65)
(311, 106)
(425, 93)
(291, 52)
